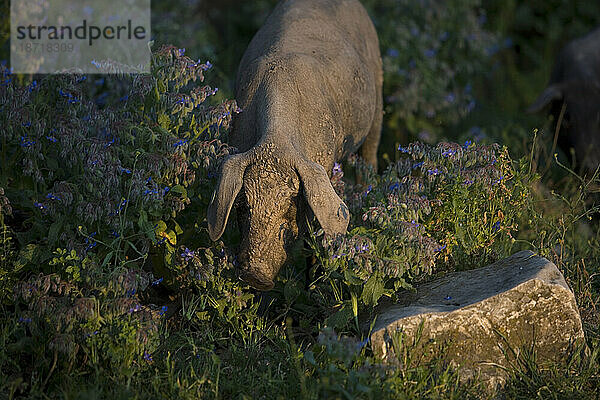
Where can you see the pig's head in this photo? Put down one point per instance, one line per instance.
(272, 194)
(581, 117)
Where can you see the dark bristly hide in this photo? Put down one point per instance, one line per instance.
(575, 80)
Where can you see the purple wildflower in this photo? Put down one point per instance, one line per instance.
(156, 282)
(430, 53)
(496, 227)
(393, 53)
(187, 254)
(337, 168)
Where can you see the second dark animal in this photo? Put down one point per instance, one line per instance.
(575, 80)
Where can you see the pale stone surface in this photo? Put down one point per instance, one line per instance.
(519, 301)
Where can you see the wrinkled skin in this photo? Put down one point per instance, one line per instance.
(310, 87)
(575, 80)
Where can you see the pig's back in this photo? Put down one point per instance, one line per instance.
(330, 52)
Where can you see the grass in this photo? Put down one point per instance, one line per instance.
(158, 312)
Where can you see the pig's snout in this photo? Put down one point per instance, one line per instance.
(260, 263)
(256, 276)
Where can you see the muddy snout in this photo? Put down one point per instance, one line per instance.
(263, 253)
(260, 272)
(258, 276)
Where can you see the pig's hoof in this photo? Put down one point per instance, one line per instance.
(260, 282)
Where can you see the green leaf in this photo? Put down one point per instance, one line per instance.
(373, 290)
(107, 259)
(309, 356)
(164, 121)
(179, 189)
(53, 232)
(161, 226)
(178, 229)
(340, 319)
(171, 237)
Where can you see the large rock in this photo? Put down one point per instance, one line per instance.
(472, 316)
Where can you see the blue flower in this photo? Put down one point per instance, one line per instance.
(440, 249)
(402, 149)
(156, 282)
(362, 248)
(32, 86)
(430, 53)
(23, 142)
(363, 343)
(51, 196)
(448, 298)
(394, 186)
(337, 168)
(493, 49)
(163, 310)
(393, 53)
(181, 52)
(496, 227)
(187, 254)
(471, 106)
(180, 142)
(25, 320)
(147, 356)
(467, 144)
(135, 308)
(417, 165)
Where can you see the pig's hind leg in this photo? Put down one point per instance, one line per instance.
(368, 150)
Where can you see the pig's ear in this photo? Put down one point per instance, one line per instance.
(330, 210)
(230, 184)
(551, 93)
